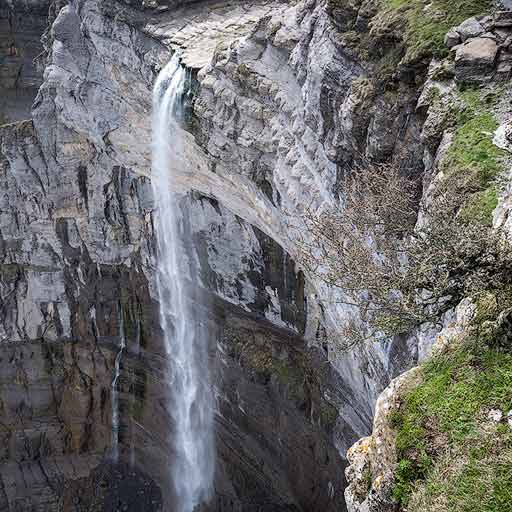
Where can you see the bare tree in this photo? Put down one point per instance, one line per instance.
(397, 271)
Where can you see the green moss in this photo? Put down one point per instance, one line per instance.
(261, 359)
(472, 150)
(368, 480)
(137, 389)
(425, 23)
(243, 70)
(329, 415)
(9, 271)
(447, 413)
(136, 408)
(473, 163)
(480, 206)
(486, 307)
(287, 369)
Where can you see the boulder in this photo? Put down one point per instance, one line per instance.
(475, 60)
(452, 39)
(470, 28)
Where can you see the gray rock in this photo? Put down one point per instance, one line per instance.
(504, 68)
(452, 39)
(21, 26)
(280, 112)
(489, 35)
(487, 22)
(77, 254)
(495, 415)
(505, 4)
(475, 60)
(503, 19)
(470, 28)
(507, 44)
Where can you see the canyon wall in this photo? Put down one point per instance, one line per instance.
(282, 103)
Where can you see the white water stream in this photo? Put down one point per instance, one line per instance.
(115, 391)
(190, 403)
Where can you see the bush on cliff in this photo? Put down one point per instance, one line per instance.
(400, 271)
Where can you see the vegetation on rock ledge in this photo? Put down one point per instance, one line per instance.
(399, 273)
(425, 23)
(454, 444)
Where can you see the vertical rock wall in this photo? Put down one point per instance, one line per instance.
(281, 107)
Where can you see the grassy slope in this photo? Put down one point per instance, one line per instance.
(452, 457)
(473, 159)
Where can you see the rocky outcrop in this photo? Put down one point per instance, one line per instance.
(481, 53)
(484, 51)
(372, 460)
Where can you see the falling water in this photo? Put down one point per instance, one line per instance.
(185, 342)
(115, 391)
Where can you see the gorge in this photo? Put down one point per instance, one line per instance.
(165, 345)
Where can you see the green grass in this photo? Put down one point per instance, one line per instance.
(445, 453)
(480, 206)
(473, 161)
(472, 150)
(425, 22)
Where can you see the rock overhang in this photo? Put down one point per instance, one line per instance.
(196, 30)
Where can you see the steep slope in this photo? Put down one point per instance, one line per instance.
(441, 434)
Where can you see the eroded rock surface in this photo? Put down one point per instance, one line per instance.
(280, 106)
(21, 25)
(77, 259)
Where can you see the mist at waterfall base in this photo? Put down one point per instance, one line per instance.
(190, 400)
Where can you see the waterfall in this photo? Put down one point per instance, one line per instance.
(190, 403)
(115, 391)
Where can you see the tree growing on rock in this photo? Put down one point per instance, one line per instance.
(400, 263)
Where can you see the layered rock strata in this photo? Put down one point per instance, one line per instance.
(280, 106)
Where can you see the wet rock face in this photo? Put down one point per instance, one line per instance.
(76, 263)
(114, 487)
(273, 414)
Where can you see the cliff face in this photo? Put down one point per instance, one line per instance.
(21, 27)
(77, 260)
(283, 104)
(429, 422)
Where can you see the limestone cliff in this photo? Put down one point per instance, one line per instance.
(284, 98)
